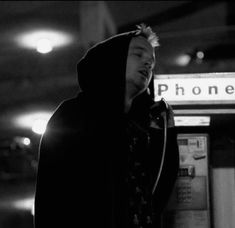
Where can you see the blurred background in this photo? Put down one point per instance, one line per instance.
(40, 45)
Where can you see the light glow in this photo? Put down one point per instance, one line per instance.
(36, 121)
(49, 38)
(39, 126)
(22, 140)
(192, 120)
(44, 46)
(26, 141)
(183, 60)
(25, 204)
(200, 55)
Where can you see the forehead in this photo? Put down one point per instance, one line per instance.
(140, 42)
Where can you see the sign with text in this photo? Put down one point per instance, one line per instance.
(204, 88)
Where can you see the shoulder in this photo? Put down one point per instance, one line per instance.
(67, 116)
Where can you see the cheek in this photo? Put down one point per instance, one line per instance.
(135, 66)
(131, 67)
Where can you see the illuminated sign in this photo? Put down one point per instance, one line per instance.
(199, 88)
(192, 120)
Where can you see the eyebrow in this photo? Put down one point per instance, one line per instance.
(140, 48)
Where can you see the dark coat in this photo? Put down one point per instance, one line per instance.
(82, 159)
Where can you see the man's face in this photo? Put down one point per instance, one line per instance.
(140, 63)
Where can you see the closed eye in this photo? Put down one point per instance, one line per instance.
(138, 54)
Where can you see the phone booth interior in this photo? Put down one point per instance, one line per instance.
(204, 193)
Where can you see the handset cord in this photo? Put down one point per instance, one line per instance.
(163, 151)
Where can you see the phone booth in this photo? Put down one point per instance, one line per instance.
(204, 107)
(189, 203)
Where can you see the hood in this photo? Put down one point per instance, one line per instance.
(102, 72)
(102, 69)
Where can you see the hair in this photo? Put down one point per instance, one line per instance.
(147, 32)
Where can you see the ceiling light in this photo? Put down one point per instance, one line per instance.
(200, 55)
(43, 39)
(26, 141)
(39, 126)
(192, 120)
(22, 140)
(44, 46)
(183, 60)
(36, 121)
(25, 204)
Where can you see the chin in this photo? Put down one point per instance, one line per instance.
(141, 89)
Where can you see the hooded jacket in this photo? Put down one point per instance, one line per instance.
(83, 153)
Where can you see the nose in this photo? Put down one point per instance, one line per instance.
(148, 64)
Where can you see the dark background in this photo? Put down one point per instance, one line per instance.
(30, 81)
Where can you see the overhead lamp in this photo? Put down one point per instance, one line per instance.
(24, 204)
(39, 125)
(195, 55)
(25, 141)
(44, 46)
(183, 60)
(36, 121)
(43, 40)
(200, 55)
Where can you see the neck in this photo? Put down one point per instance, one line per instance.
(130, 95)
(128, 103)
(128, 100)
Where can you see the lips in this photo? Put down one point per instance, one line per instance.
(145, 73)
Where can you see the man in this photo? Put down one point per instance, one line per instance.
(103, 150)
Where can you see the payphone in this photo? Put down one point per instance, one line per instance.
(189, 205)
